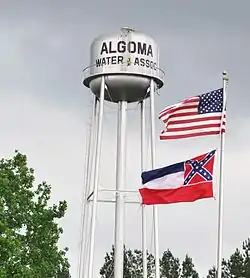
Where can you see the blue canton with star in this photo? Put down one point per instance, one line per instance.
(199, 168)
(211, 102)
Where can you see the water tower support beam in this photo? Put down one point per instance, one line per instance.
(96, 178)
(155, 208)
(89, 188)
(144, 232)
(85, 214)
(120, 185)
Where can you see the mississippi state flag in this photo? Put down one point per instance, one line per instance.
(186, 181)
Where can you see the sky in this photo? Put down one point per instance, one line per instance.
(45, 111)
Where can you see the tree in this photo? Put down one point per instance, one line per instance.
(225, 271)
(212, 272)
(29, 233)
(246, 257)
(170, 266)
(239, 261)
(132, 264)
(64, 274)
(235, 265)
(107, 270)
(188, 270)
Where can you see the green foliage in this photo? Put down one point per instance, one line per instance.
(107, 270)
(237, 266)
(246, 257)
(226, 273)
(239, 262)
(212, 272)
(188, 270)
(132, 264)
(29, 233)
(170, 266)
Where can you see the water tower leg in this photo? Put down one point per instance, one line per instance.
(120, 182)
(96, 178)
(144, 232)
(155, 209)
(90, 174)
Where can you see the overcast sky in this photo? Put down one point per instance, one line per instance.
(44, 110)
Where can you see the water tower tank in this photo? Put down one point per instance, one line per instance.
(129, 60)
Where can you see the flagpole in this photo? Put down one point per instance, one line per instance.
(221, 181)
(144, 231)
(155, 209)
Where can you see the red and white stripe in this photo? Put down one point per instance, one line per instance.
(183, 121)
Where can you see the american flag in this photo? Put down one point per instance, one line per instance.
(196, 116)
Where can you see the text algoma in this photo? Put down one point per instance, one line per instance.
(131, 47)
(109, 51)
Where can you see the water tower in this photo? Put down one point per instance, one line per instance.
(124, 68)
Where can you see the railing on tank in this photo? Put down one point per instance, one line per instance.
(112, 69)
